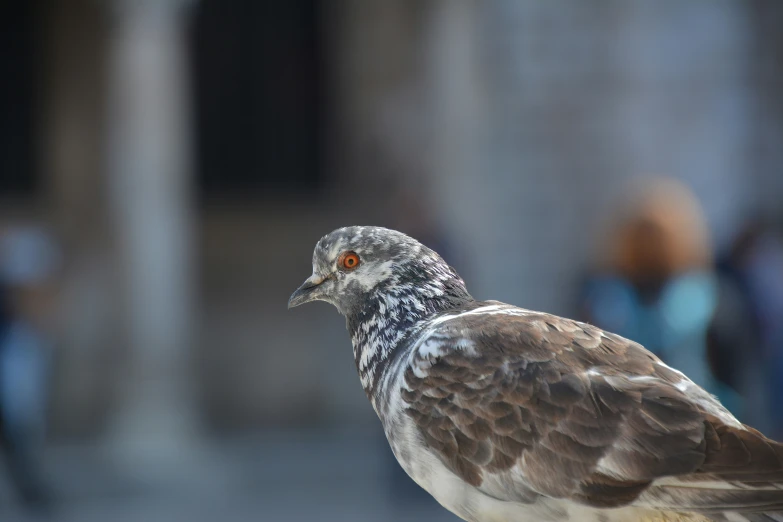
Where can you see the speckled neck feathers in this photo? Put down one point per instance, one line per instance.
(419, 289)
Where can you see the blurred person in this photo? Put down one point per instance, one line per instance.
(27, 265)
(658, 286)
(746, 337)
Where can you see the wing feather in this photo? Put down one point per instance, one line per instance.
(569, 411)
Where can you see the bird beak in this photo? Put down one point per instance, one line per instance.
(306, 292)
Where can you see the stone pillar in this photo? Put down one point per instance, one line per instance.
(150, 175)
(455, 105)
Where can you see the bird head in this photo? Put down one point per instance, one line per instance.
(353, 266)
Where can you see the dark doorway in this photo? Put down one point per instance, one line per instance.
(257, 88)
(19, 66)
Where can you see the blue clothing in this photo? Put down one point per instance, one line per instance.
(24, 366)
(673, 326)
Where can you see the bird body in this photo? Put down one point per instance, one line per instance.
(490, 500)
(508, 415)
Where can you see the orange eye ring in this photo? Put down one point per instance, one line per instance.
(349, 260)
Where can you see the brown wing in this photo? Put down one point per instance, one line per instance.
(513, 403)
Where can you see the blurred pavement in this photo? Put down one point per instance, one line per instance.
(339, 478)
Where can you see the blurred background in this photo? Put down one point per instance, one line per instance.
(166, 167)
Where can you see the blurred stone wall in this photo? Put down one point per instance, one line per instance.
(505, 131)
(530, 119)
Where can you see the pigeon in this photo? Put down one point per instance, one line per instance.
(504, 414)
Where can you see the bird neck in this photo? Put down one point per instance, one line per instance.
(391, 316)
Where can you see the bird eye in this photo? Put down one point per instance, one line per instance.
(349, 260)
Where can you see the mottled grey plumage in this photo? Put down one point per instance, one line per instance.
(505, 414)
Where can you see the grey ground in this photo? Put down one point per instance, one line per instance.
(285, 478)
